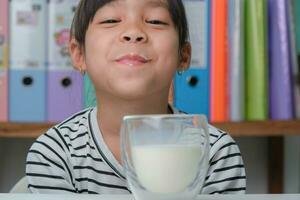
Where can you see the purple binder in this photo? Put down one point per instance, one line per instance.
(65, 90)
(280, 83)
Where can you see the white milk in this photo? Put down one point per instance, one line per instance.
(166, 168)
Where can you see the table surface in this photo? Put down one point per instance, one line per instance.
(7, 196)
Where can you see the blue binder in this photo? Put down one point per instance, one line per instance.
(191, 89)
(27, 76)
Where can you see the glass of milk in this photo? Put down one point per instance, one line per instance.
(165, 156)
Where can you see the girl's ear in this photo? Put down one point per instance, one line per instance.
(185, 57)
(77, 55)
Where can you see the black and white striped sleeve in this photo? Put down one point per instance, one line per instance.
(47, 167)
(226, 172)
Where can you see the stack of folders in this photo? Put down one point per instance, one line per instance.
(244, 62)
(42, 84)
(252, 69)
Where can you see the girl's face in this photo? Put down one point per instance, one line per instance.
(132, 49)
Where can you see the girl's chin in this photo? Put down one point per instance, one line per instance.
(133, 95)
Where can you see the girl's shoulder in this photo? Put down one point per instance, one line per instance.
(74, 125)
(217, 135)
(77, 118)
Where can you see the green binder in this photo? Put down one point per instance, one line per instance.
(256, 60)
(297, 23)
(89, 92)
(296, 17)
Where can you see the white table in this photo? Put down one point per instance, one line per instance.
(129, 197)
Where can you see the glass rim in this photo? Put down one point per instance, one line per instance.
(163, 116)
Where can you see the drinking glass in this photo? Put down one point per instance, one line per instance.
(165, 156)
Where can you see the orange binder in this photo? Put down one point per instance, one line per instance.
(218, 73)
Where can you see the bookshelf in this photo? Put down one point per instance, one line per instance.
(236, 129)
(274, 130)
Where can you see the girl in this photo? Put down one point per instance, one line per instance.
(131, 50)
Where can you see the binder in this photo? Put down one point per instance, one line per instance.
(296, 6)
(3, 60)
(296, 12)
(281, 99)
(27, 77)
(64, 84)
(191, 89)
(294, 58)
(292, 34)
(236, 80)
(89, 93)
(219, 62)
(256, 60)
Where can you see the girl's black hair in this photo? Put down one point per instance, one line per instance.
(87, 9)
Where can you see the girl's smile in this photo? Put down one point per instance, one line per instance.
(133, 59)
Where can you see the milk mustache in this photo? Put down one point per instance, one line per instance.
(168, 168)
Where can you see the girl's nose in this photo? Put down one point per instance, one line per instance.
(133, 38)
(134, 35)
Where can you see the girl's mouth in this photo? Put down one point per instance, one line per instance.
(132, 59)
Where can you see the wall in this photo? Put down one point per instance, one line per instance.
(13, 154)
(292, 164)
(254, 151)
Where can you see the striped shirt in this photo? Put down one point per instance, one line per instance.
(73, 157)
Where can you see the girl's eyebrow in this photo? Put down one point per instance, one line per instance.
(150, 3)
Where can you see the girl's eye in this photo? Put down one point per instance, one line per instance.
(110, 21)
(156, 22)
